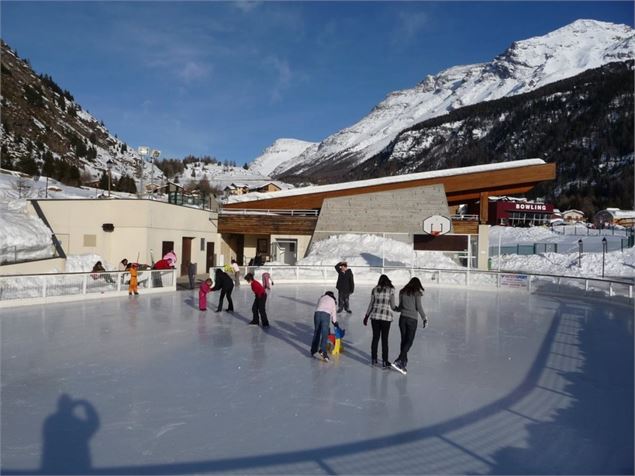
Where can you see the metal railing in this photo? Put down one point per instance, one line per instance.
(21, 289)
(255, 211)
(460, 277)
(583, 230)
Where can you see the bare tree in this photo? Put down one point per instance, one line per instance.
(22, 186)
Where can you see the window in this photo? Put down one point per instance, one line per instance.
(90, 240)
(202, 244)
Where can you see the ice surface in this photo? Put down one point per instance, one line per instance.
(502, 382)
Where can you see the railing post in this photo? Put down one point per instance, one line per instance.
(586, 285)
(151, 279)
(630, 292)
(44, 287)
(531, 278)
(297, 273)
(119, 280)
(498, 280)
(84, 283)
(611, 289)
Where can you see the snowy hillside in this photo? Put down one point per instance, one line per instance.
(526, 65)
(278, 153)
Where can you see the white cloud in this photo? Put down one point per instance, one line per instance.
(410, 23)
(194, 70)
(246, 6)
(283, 73)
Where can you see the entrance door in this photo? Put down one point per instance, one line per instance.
(287, 251)
(187, 255)
(209, 262)
(240, 249)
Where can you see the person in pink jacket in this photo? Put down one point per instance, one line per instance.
(206, 286)
(325, 312)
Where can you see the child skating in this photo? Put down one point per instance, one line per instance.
(134, 277)
(411, 308)
(206, 287)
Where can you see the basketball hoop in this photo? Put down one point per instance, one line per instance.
(437, 225)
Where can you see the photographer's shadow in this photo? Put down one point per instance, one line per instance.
(66, 435)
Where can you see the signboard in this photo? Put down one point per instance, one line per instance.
(518, 281)
(440, 243)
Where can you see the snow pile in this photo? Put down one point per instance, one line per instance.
(617, 264)
(84, 263)
(509, 235)
(368, 250)
(23, 236)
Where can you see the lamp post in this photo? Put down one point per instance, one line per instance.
(36, 178)
(604, 245)
(144, 151)
(579, 253)
(109, 167)
(155, 155)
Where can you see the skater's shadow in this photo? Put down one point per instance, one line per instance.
(191, 302)
(312, 304)
(66, 436)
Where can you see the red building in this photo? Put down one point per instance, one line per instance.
(518, 212)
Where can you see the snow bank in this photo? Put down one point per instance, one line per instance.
(368, 250)
(84, 263)
(617, 264)
(509, 235)
(23, 236)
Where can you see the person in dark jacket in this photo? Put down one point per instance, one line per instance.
(345, 285)
(224, 283)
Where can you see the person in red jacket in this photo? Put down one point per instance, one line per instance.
(260, 301)
(205, 288)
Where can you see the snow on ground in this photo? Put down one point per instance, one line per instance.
(85, 263)
(512, 235)
(22, 236)
(368, 250)
(617, 264)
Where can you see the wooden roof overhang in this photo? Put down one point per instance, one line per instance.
(463, 188)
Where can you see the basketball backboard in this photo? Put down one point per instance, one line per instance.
(437, 225)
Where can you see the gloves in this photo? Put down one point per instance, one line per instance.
(366, 320)
(425, 323)
(336, 324)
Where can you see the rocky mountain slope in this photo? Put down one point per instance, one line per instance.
(44, 129)
(525, 66)
(583, 124)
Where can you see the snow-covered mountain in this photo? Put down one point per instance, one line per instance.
(278, 153)
(526, 65)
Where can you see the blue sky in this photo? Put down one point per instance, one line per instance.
(228, 78)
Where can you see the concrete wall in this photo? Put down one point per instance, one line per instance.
(140, 228)
(398, 211)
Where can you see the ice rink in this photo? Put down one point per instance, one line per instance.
(500, 382)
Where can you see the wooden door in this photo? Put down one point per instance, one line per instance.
(186, 255)
(210, 262)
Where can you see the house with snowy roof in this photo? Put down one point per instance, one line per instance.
(614, 216)
(573, 216)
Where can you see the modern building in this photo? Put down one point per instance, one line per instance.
(283, 224)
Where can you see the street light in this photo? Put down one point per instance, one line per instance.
(109, 165)
(579, 253)
(144, 151)
(604, 245)
(155, 155)
(36, 178)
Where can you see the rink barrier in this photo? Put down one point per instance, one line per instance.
(460, 277)
(28, 289)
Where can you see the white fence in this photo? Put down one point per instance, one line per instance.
(459, 277)
(20, 290)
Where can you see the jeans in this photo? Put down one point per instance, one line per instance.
(321, 321)
(230, 304)
(343, 301)
(259, 307)
(408, 328)
(380, 329)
